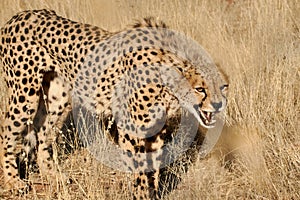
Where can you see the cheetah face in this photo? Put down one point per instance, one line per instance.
(211, 99)
(206, 108)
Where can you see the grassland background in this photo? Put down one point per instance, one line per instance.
(257, 43)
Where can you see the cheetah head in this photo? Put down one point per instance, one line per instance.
(201, 91)
(210, 89)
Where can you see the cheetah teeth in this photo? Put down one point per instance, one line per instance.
(208, 118)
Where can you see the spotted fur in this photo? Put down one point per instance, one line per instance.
(47, 59)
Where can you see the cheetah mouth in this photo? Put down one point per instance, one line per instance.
(207, 118)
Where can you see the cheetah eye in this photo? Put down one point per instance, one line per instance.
(200, 89)
(224, 87)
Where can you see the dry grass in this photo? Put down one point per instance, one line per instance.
(257, 43)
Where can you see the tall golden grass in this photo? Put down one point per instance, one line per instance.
(257, 43)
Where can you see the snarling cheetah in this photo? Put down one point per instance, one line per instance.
(146, 84)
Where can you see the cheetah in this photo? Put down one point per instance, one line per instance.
(150, 87)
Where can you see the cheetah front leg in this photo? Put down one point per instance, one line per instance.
(15, 127)
(57, 103)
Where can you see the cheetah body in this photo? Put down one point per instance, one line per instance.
(51, 62)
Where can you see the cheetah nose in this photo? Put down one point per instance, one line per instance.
(217, 106)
